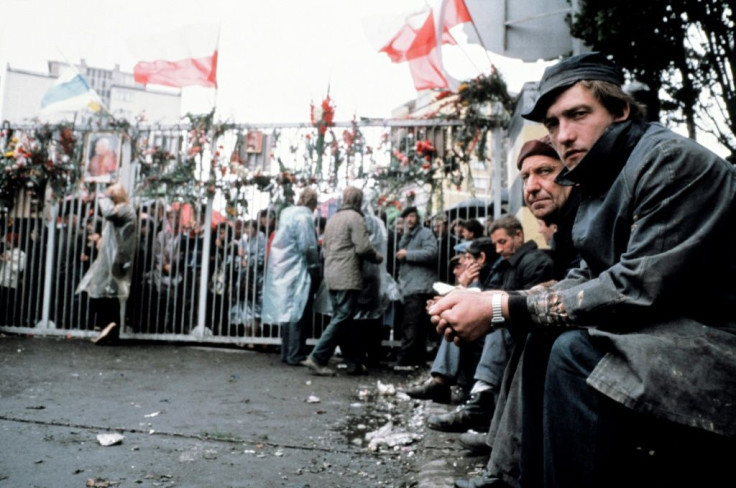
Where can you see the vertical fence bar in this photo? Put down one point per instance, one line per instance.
(45, 323)
(205, 269)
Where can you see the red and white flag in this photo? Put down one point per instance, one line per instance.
(416, 43)
(454, 12)
(184, 57)
(419, 42)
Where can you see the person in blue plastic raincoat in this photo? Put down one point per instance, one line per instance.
(107, 282)
(292, 271)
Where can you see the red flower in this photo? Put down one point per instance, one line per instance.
(443, 94)
(425, 147)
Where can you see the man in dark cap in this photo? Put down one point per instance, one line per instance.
(638, 387)
(417, 256)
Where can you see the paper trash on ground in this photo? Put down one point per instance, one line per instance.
(110, 439)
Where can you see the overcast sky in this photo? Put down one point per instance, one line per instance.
(275, 55)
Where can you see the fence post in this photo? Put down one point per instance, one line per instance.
(205, 270)
(45, 323)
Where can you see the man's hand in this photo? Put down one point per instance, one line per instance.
(379, 258)
(401, 254)
(470, 274)
(462, 316)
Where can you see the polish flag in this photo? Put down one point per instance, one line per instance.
(184, 57)
(454, 12)
(416, 43)
(419, 42)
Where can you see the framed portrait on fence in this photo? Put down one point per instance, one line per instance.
(254, 142)
(101, 157)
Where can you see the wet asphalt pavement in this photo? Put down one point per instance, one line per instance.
(193, 416)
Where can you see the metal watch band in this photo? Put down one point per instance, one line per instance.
(497, 310)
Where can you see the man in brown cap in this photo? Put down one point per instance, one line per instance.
(638, 387)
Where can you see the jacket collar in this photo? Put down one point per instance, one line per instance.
(350, 207)
(603, 163)
(519, 254)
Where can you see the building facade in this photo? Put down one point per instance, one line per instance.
(22, 92)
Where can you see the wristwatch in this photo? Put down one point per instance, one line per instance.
(497, 320)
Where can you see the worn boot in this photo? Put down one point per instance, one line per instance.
(476, 414)
(485, 480)
(475, 442)
(431, 390)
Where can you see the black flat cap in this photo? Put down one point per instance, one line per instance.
(409, 210)
(588, 66)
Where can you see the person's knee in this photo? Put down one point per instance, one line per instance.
(573, 353)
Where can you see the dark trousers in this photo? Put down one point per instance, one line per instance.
(573, 436)
(104, 311)
(416, 328)
(341, 331)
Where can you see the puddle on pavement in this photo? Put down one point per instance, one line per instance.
(379, 419)
(368, 414)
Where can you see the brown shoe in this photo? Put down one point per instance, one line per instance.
(105, 335)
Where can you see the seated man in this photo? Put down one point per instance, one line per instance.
(454, 364)
(522, 265)
(554, 205)
(637, 388)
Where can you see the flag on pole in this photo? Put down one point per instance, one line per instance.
(454, 12)
(419, 42)
(70, 92)
(416, 43)
(184, 57)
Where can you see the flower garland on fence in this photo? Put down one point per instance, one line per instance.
(47, 156)
(474, 104)
(420, 163)
(51, 155)
(322, 118)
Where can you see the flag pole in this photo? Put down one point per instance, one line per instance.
(440, 31)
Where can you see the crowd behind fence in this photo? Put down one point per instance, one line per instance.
(200, 262)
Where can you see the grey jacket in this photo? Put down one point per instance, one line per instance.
(345, 245)
(655, 229)
(418, 272)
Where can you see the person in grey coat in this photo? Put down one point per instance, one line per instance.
(345, 245)
(417, 256)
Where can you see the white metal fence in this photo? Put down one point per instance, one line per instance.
(199, 194)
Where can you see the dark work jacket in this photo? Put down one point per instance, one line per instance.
(527, 267)
(656, 228)
(562, 249)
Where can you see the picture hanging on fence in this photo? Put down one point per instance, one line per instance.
(101, 156)
(254, 142)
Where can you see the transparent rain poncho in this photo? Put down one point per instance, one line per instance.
(293, 257)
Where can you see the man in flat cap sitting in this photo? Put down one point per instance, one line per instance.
(638, 388)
